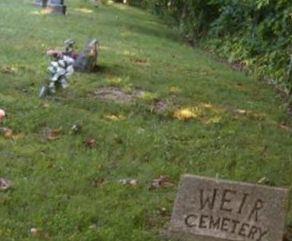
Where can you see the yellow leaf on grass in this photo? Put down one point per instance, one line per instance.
(186, 114)
(115, 117)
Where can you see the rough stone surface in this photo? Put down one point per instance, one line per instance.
(87, 60)
(214, 210)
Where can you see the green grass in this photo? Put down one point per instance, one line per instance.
(62, 187)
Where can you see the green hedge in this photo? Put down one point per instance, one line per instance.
(254, 33)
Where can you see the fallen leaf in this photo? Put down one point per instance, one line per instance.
(34, 231)
(115, 117)
(186, 114)
(285, 127)
(4, 184)
(6, 132)
(90, 143)
(161, 182)
(53, 134)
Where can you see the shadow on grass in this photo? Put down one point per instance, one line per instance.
(108, 69)
(154, 32)
(101, 69)
(131, 22)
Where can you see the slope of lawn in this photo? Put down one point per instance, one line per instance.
(68, 187)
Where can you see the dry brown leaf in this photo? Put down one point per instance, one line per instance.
(285, 127)
(6, 132)
(161, 182)
(90, 143)
(4, 184)
(53, 134)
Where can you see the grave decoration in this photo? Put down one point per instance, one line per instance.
(60, 69)
(63, 63)
(209, 209)
(52, 6)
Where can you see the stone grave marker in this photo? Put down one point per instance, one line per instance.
(55, 2)
(208, 209)
(53, 6)
(87, 60)
(41, 3)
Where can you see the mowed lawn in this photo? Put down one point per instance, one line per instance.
(195, 115)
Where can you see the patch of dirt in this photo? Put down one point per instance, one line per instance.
(117, 95)
(161, 182)
(113, 94)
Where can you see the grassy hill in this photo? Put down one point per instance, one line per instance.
(155, 107)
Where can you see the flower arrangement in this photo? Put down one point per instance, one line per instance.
(63, 64)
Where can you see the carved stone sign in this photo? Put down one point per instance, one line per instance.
(213, 210)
